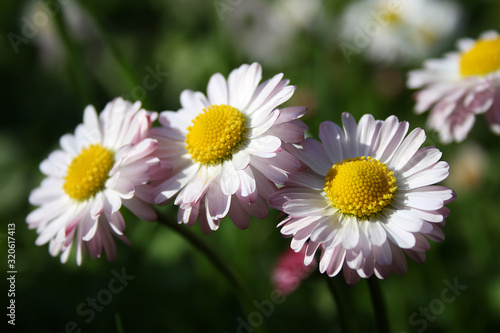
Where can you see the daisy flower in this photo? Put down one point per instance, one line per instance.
(106, 163)
(225, 148)
(267, 31)
(365, 197)
(399, 31)
(460, 86)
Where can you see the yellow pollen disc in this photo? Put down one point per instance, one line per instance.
(392, 18)
(215, 134)
(360, 186)
(88, 172)
(483, 58)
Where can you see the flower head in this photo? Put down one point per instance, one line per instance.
(397, 31)
(266, 31)
(460, 86)
(225, 149)
(106, 163)
(365, 197)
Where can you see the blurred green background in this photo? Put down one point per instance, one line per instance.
(89, 52)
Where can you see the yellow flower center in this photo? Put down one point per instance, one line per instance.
(393, 18)
(88, 172)
(215, 134)
(483, 58)
(360, 186)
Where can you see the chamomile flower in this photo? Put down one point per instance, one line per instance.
(225, 149)
(401, 31)
(365, 197)
(460, 86)
(107, 163)
(267, 30)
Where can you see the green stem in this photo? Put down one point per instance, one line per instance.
(217, 260)
(346, 317)
(379, 307)
(119, 324)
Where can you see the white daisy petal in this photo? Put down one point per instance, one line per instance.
(113, 201)
(306, 179)
(423, 159)
(56, 164)
(237, 215)
(217, 202)
(399, 263)
(242, 83)
(311, 149)
(429, 176)
(400, 237)
(168, 188)
(89, 230)
(69, 144)
(325, 229)
(196, 188)
(230, 180)
(305, 207)
(241, 160)
(405, 220)
(176, 122)
(263, 93)
(310, 251)
(264, 144)
(350, 235)
(336, 260)
(57, 224)
(97, 206)
(376, 233)
(383, 254)
(140, 208)
(364, 136)
(49, 190)
(91, 121)
(262, 125)
(385, 136)
(193, 102)
(274, 174)
(395, 141)
(407, 149)
(217, 90)
(293, 227)
(421, 200)
(247, 182)
(332, 137)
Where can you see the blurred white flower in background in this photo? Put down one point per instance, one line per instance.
(468, 166)
(397, 31)
(265, 31)
(38, 25)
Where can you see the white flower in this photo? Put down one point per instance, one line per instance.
(366, 197)
(266, 30)
(105, 164)
(226, 149)
(460, 86)
(397, 30)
